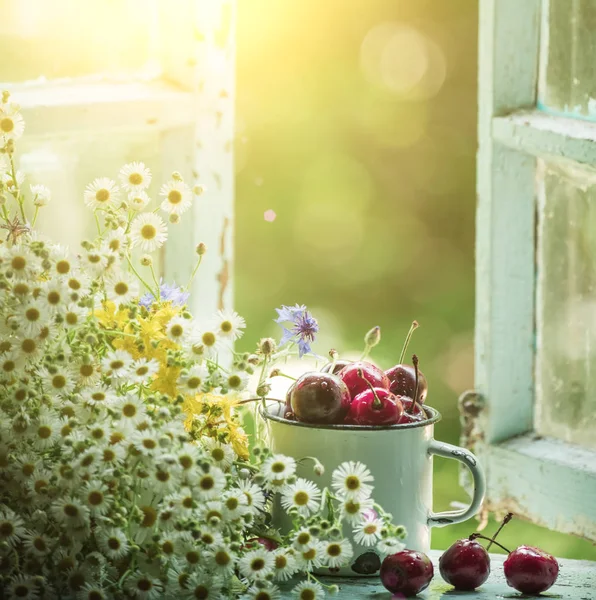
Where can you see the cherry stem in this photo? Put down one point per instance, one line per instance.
(476, 536)
(377, 404)
(413, 328)
(415, 363)
(506, 520)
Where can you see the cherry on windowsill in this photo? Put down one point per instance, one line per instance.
(530, 570)
(407, 572)
(371, 374)
(320, 398)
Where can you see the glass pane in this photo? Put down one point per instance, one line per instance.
(567, 65)
(70, 38)
(566, 303)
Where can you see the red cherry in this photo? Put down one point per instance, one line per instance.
(411, 413)
(530, 570)
(335, 367)
(465, 565)
(375, 406)
(407, 572)
(402, 382)
(320, 398)
(371, 374)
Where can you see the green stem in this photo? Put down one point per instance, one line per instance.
(17, 193)
(35, 216)
(156, 283)
(140, 278)
(194, 272)
(413, 328)
(97, 223)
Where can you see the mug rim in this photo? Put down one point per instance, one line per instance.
(435, 417)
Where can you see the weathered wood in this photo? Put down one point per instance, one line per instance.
(547, 136)
(577, 581)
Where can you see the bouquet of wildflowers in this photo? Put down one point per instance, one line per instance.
(124, 468)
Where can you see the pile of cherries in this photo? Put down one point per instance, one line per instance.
(466, 566)
(360, 393)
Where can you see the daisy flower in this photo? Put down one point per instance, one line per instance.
(352, 510)
(277, 468)
(144, 587)
(95, 495)
(113, 543)
(135, 177)
(30, 347)
(74, 315)
(192, 380)
(210, 485)
(351, 480)
(57, 382)
(390, 545)
(304, 539)
(85, 374)
(177, 197)
(338, 553)
(146, 442)
(23, 264)
(284, 564)
(303, 495)
(32, 317)
(263, 591)
(312, 557)
(70, 511)
(54, 295)
(222, 454)
(222, 560)
(143, 370)
(12, 527)
(131, 409)
(254, 494)
(138, 201)
(188, 456)
(121, 289)
(99, 397)
(229, 324)
(95, 261)
(115, 241)
(41, 195)
(91, 591)
(178, 329)
(22, 586)
(256, 564)
(37, 544)
(308, 590)
(205, 340)
(46, 430)
(12, 124)
(103, 192)
(203, 585)
(117, 363)
(235, 504)
(149, 232)
(368, 532)
(237, 382)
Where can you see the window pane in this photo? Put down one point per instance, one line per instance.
(70, 38)
(567, 65)
(566, 303)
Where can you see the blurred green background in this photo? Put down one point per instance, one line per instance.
(357, 126)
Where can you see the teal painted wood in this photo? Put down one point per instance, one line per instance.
(577, 581)
(547, 136)
(508, 59)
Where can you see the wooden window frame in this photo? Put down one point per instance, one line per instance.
(195, 88)
(547, 481)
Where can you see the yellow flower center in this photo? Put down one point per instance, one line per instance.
(71, 318)
(44, 432)
(334, 550)
(201, 592)
(303, 538)
(232, 503)
(32, 315)
(8, 366)
(6, 529)
(301, 498)
(129, 410)
(63, 267)
(234, 381)
(86, 370)
(29, 346)
(257, 564)
(143, 370)
(193, 557)
(148, 232)
(135, 179)
(39, 544)
(352, 507)
(102, 195)
(218, 454)
(74, 284)
(18, 263)
(208, 338)
(94, 258)
(186, 462)
(71, 511)
(207, 482)
(150, 516)
(21, 289)
(98, 397)
(121, 288)
(309, 554)
(58, 381)
(114, 245)
(226, 326)
(281, 561)
(193, 383)
(6, 125)
(307, 594)
(95, 498)
(370, 529)
(352, 482)
(28, 469)
(149, 444)
(278, 467)
(114, 543)
(177, 330)
(53, 298)
(222, 558)
(174, 197)
(116, 364)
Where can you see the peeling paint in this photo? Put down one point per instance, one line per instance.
(223, 277)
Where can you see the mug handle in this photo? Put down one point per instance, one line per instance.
(467, 458)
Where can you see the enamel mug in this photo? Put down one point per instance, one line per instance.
(400, 458)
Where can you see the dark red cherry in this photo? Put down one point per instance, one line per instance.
(402, 382)
(408, 572)
(320, 398)
(288, 412)
(465, 565)
(375, 406)
(412, 408)
(357, 374)
(336, 367)
(530, 570)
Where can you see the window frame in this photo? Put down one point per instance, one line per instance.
(547, 481)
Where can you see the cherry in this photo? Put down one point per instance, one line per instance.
(402, 377)
(288, 412)
(335, 367)
(465, 565)
(320, 398)
(375, 406)
(530, 570)
(370, 373)
(413, 411)
(407, 572)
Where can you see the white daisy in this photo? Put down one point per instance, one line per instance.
(207, 342)
(138, 201)
(12, 124)
(131, 409)
(113, 543)
(103, 192)
(277, 468)
(70, 511)
(177, 197)
(284, 564)
(142, 370)
(37, 543)
(30, 347)
(308, 590)
(148, 231)
(74, 315)
(96, 497)
(390, 545)
(223, 455)
(144, 587)
(22, 587)
(234, 504)
(237, 382)
(9, 366)
(57, 381)
(99, 396)
(312, 557)
(338, 553)
(254, 494)
(352, 509)
(147, 442)
(32, 317)
(178, 329)
(22, 263)
(91, 591)
(41, 195)
(188, 456)
(210, 485)
(203, 585)
(229, 324)
(222, 560)
(303, 495)
(351, 480)
(46, 430)
(192, 380)
(85, 374)
(165, 478)
(12, 527)
(135, 177)
(263, 591)
(303, 539)
(54, 295)
(117, 363)
(115, 241)
(95, 261)
(120, 288)
(256, 564)
(368, 532)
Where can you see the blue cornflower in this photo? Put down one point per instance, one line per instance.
(304, 329)
(169, 293)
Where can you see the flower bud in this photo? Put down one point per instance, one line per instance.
(176, 176)
(199, 189)
(253, 359)
(373, 337)
(146, 260)
(201, 248)
(274, 373)
(263, 390)
(319, 469)
(333, 589)
(174, 219)
(267, 346)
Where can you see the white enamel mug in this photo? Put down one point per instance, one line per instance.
(400, 457)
